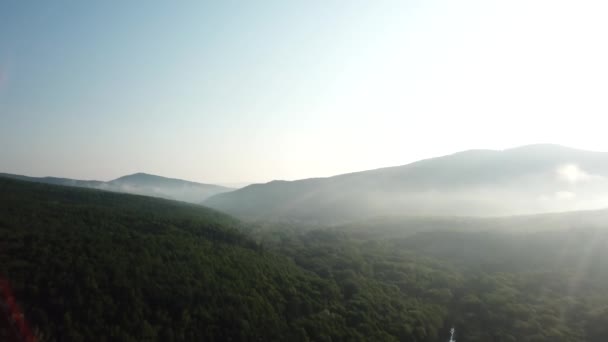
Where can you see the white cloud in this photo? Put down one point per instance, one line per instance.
(573, 174)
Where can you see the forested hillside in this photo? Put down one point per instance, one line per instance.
(493, 283)
(90, 265)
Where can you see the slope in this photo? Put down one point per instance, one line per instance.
(170, 188)
(537, 278)
(141, 184)
(530, 179)
(56, 181)
(93, 265)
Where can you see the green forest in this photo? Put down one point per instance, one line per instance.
(89, 265)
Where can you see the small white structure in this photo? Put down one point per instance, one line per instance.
(452, 331)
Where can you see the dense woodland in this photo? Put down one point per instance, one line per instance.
(92, 265)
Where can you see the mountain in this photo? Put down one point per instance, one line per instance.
(141, 184)
(525, 180)
(56, 181)
(90, 265)
(82, 264)
(170, 188)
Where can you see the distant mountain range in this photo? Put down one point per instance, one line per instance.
(141, 184)
(524, 180)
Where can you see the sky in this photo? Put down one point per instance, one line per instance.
(251, 91)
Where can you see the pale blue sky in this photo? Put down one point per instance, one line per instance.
(250, 91)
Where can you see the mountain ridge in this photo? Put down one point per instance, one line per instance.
(522, 180)
(138, 183)
(148, 176)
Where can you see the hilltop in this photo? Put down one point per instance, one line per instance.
(141, 184)
(525, 180)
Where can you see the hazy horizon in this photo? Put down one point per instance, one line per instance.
(245, 183)
(424, 170)
(241, 92)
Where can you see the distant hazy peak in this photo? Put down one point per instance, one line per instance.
(142, 184)
(144, 178)
(531, 149)
(527, 179)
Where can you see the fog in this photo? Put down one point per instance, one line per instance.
(527, 180)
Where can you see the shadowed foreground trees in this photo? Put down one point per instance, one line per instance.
(91, 265)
